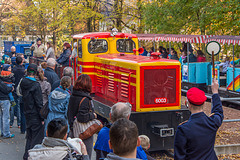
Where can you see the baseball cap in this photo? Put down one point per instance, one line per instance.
(32, 68)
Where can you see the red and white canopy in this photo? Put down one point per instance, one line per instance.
(173, 38)
(147, 37)
(225, 39)
(189, 38)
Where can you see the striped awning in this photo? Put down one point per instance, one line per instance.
(173, 38)
(147, 37)
(225, 39)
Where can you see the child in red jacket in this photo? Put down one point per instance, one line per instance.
(8, 77)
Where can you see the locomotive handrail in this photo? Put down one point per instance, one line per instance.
(129, 87)
(231, 120)
(75, 69)
(70, 61)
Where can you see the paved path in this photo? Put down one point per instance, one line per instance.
(13, 148)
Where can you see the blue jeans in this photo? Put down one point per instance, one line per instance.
(4, 118)
(10, 94)
(15, 111)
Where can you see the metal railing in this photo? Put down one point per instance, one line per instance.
(231, 120)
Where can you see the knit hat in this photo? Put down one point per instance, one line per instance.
(5, 67)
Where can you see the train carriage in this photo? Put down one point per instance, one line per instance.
(152, 86)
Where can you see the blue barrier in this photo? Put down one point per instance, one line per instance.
(200, 72)
(21, 47)
(236, 79)
(192, 72)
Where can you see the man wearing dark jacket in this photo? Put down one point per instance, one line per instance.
(49, 72)
(13, 52)
(195, 138)
(4, 110)
(33, 102)
(19, 71)
(64, 57)
(192, 58)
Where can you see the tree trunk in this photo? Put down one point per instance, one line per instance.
(54, 40)
(89, 24)
(140, 28)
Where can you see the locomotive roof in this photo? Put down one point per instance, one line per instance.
(102, 35)
(134, 59)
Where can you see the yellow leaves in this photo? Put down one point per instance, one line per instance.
(229, 157)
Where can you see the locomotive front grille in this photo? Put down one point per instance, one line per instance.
(160, 87)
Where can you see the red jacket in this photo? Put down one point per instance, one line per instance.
(201, 59)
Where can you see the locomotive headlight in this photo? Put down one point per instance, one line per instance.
(92, 38)
(114, 31)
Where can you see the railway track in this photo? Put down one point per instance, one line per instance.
(232, 102)
(226, 150)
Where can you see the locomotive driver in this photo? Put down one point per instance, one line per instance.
(195, 138)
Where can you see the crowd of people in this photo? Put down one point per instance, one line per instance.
(40, 52)
(39, 87)
(38, 90)
(172, 54)
(199, 57)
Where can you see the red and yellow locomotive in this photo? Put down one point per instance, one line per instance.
(151, 85)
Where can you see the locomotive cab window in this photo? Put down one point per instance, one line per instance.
(80, 48)
(125, 45)
(97, 46)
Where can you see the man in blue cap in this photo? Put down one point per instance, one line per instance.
(195, 138)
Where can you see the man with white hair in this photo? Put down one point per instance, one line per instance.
(118, 111)
(49, 71)
(67, 71)
(74, 51)
(12, 53)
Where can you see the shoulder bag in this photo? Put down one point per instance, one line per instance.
(86, 130)
(18, 89)
(44, 111)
